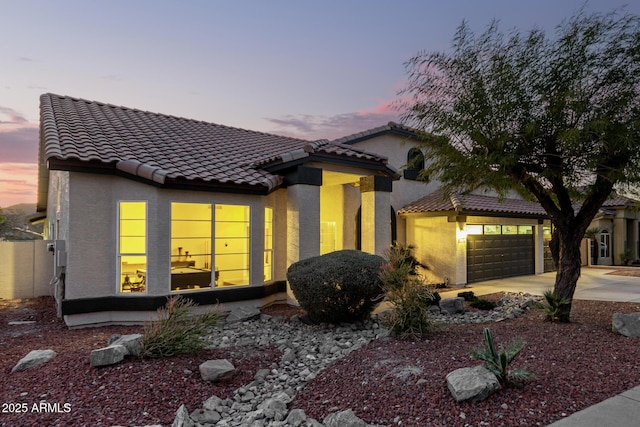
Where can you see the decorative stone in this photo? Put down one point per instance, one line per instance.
(182, 418)
(108, 355)
(34, 358)
(473, 384)
(296, 418)
(627, 324)
(243, 314)
(452, 305)
(132, 342)
(217, 370)
(205, 416)
(344, 419)
(274, 408)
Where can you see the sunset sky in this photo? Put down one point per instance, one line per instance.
(310, 69)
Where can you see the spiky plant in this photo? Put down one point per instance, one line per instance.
(498, 362)
(553, 305)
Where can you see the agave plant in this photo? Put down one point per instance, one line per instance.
(498, 362)
(553, 305)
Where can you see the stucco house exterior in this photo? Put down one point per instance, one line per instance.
(143, 206)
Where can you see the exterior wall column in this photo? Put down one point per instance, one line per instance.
(303, 216)
(538, 249)
(256, 260)
(376, 213)
(618, 239)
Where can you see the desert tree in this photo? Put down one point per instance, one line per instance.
(554, 117)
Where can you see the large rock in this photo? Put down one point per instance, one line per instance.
(344, 419)
(627, 324)
(108, 355)
(132, 342)
(34, 358)
(452, 305)
(473, 384)
(242, 314)
(182, 418)
(217, 370)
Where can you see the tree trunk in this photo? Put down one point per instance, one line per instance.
(569, 264)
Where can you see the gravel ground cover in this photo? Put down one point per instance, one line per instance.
(389, 382)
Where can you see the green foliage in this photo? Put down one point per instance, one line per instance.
(177, 329)
(410, 315)
(341, 286)
(553, 306)
(409, 296)
(467, 295)
(498, 360)
(482, 304)
(592, 232)
(626, 256)
(554, 117)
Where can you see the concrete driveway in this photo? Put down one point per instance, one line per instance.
(595, 283)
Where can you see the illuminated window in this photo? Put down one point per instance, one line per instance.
(132, 246)
(190, 246)
(327, 237)
(268, 244)
(525, 229)
(231, 244)
(474, 229)
(492, 229)
(509, 229)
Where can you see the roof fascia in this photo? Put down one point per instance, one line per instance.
(393, 131)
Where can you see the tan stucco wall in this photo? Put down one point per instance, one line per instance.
(27, 269)
(435, 246)
(92, 234)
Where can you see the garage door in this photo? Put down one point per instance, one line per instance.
(497, 256)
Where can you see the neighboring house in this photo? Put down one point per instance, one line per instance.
(143, 206)
(618, 234)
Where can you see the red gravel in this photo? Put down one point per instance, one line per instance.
(134, 392)
(577, 365)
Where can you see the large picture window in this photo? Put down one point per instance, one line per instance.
(232, 244)
(132, 246)
(190, 246)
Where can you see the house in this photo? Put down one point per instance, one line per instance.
(473, 237)
(143, 206)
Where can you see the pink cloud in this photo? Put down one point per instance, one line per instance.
(332, 127)
(18, 183)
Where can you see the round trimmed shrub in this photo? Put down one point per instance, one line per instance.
(341, 286)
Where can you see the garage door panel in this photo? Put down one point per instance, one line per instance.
(498, 256)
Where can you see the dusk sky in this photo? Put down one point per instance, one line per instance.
(310, 69)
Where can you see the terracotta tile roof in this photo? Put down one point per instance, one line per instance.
(155, 146)
(473, 204)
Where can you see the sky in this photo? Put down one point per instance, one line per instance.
(308, 69)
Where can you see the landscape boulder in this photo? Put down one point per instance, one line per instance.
(472, 384)
(34, 358)
(132, 342)
(344, 419)
(108, 355)
(217, 370)
(242, 314)
(627, 324)
(452, 305)
(182, 418)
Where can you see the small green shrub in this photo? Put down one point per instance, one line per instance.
(553, 305)
(482, 304)
(177, 330)
(467, 295)
(410, 315)
(498, 362)
(341, 286)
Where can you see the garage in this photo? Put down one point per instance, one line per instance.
(495, 256)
